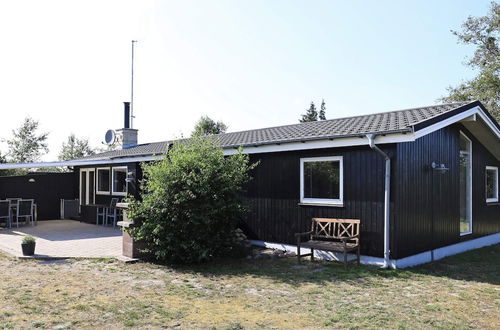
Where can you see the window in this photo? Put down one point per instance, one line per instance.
(321, 180)
(491, 184)
(119, 180)
(465, 184)
(103, 182)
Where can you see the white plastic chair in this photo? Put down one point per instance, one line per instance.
(25, 210)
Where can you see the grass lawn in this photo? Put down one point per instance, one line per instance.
(459, 292)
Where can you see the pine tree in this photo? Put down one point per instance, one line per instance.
(75, 148)
(322, 111)
(26, 146)
(310, 115)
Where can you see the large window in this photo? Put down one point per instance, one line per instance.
(321, 180)
(119, 182)
(103, 181)
(465, 184)
(491, 184)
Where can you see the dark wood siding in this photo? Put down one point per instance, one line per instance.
(426, 213)
(273, 196)
(485, 217)
(88, 214)
(47, 191)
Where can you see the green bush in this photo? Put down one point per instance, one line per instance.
(28, 240)
(190, 202)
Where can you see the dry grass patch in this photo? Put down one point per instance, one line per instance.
(459, 292)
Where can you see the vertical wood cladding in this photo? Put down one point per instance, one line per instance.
(426, 214)
(273, 196)
(88, 213)
(485, 216)
(46, 190)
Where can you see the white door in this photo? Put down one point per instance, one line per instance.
(87, 186)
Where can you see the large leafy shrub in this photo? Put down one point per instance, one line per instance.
(190, 202)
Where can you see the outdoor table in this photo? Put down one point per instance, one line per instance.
(98, 207)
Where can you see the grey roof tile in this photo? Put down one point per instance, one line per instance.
(384, 122)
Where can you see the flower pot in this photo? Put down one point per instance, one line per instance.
(28, 248)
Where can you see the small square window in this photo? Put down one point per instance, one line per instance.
(321, 180)
(119, 181)
(491, 184)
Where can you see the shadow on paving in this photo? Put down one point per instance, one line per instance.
(481, 265)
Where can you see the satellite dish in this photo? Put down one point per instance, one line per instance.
(110, 137)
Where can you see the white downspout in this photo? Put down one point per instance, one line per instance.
(387, 199)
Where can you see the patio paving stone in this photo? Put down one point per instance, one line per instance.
(64, 239)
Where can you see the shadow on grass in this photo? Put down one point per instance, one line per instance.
(481, 265)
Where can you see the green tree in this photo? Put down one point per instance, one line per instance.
(75, 148)
(27, 145)
(3, 160)
(483, 33)
(322, 111)
(190, 202)
(310, 115)
(207, 126)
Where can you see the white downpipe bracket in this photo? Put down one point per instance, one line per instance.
(387, 200)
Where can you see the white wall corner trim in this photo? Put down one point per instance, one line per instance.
(414, 260)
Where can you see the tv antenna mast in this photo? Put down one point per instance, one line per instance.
(132, 89)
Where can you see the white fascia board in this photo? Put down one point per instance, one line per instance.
(321, 144)
(306, 145)
(461, 116)
(8, 166)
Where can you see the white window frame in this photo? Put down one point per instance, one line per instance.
(118, 193)
(469, 191)
(102, 192)
(323, 201)
(83, 199)
(495, 170)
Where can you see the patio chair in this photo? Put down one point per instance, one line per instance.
(13, 206)
(25, 210)
(13, 201)
(5, 213)
(112, 211)
(101, 211)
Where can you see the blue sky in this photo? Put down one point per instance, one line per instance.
(249, 63)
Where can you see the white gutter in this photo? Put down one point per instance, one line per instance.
(387, 200)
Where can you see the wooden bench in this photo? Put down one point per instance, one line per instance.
(336, 235)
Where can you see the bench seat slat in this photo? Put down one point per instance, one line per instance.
(329, 246)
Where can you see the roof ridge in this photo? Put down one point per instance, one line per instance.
(368, 114)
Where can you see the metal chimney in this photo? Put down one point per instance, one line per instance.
(126, 114)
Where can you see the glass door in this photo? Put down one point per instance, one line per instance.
(465, 184)
(87, 186)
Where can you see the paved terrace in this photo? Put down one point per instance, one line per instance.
(64, 239)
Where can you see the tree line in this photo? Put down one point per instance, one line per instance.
(27, 145)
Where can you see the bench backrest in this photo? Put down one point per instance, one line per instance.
(335, 228)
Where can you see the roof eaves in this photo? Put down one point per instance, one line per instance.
(319, 138)
(442, 116)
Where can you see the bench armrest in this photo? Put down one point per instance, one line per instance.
(303, 234)
(343, 239)
(300, 235)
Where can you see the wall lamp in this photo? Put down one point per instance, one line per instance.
(439, 167)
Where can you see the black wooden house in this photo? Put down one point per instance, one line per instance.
(424, 182)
